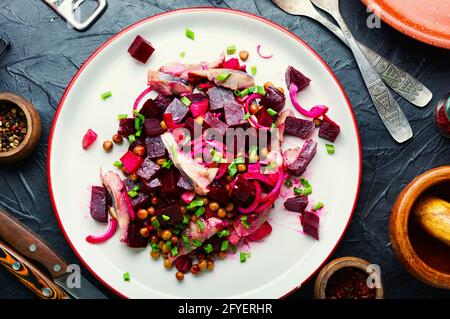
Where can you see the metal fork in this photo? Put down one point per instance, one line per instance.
(388, 109)
(400, 81)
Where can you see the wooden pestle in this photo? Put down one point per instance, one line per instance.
(433, 214)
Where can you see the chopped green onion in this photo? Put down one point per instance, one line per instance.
(132, 138)
(318, 206)
(260, 90)
(174, 251)
(222, 77)
(200, 225)
(138, 133)
(242, 93)
(308, 188)
(244, 222)
(133, 193)
(252, 89)
(155, 247)
(243, 256)
(139, 115)
(165, 218)
(246, 116)
(137, 124)
(298, 191)
(169, 244)
(330, 148)
(156, 224)
(224, 246)
(190, 34)
(118, 164)
(254, 70)
(185, 220)
(185, 240)
(197, 243)
(106, 95)
(233, 248)
(288, 183)
(232, 169)
(126, 276)
(231, 49)
(136, 188)
(223, 233)
(176, 232)
(122, 116)
(208, 248)
(305, 182)
(167, 164)
(186, 101)
(182, 54)
(195, 203)
(271, 112)
(200, 212)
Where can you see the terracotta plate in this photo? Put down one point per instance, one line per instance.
(426, 21)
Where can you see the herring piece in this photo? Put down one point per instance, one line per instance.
(167, 84)
(238, 80)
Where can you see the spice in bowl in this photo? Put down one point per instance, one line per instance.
(349, 283)
(13, 127)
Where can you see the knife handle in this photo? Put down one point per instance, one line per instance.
(29, 275)
(28, 244)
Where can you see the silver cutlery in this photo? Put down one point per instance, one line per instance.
(399, 80)
(388, 109)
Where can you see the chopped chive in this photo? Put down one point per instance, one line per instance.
(155, 247)
(169, 244)
(307, 191)
(122, 116)
(298, 191)
(126, 276)
(200, 225)
(167, 164)
(165, 218)
(133, 194)
(208, 248)
(136, 188)
(200, 212)
(139, 115)
(185, 240)
(260, 90)
(138, 133)
(132, 138)
(233, 248)
(156, 224)
(288, 183)
(182, 54)
(231, 49)
(252, 89)
(174, 251)
(194, 204)
(197, 243)
(223, 233)
(190, 34)
(246, 116)
(254, 70)
(185, 220)
(308, 188)
(243, 256)
(106, 95)
(305, 182)
(330, 148)
(224, 246)
(318, 206)
(186, 101)
(118, 164)
(244, 222)
(272, 112)
(243, 93)
(222, 77)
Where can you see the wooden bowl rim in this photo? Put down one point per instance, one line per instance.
(400, 220)
(29, 110)
(337, 264)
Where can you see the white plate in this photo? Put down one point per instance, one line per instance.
(286, 258)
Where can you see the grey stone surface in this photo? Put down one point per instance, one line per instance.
(45, 54)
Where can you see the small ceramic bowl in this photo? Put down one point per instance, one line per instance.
(425, 257)
(33, 129)
(337, 264)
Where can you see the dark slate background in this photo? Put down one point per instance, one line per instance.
(46, 54)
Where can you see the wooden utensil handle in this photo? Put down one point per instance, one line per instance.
(28, 244)
(29, 275)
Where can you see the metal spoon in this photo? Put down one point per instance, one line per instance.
(388, 109)
(400, 81)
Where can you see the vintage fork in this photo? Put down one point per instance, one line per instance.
(400, 81)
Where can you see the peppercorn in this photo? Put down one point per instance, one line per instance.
(117, 138)
(139, 150)
(13, 127)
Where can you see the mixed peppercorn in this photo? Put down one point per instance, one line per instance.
(13, 127)
(349, 283)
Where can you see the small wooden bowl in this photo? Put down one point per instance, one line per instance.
(33, 129)
(337, 264)
(425, 257)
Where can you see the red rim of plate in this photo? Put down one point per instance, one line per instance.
(196, 9)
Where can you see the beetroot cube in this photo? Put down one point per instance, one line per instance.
(141, 49)
(99, 204)
(219, 97)
(329, 131)
(274, 99)
(219, 194)
(131, 162)
(126, 127)
(214, 122)
(234, 113)
(135, 239)
(243, 192)
(310, 224)
(185, 184)
(296, 204)
(298, 127)
(264, 117)
(306, 155)
(149, 187)
(298, 78)
(155, 147)
(171, 210)
(178, 110)
(169, 182)
(142, 200)
(150, 109)
(148, 169)
(152, 127)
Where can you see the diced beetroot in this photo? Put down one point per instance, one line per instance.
(262, 232)
(178, 110)
(234, 113)
(264, 117)
(131, 162)
(126, 127)
(169, 181)
(148, 169)
(273, 99)
(219, 194)
(308, 152)
(199, 104)
(154, 108)
(129, 184)
(213, 121)
(99, 204)
(135, 239)
(243, 192)
(142, 200)
(329, 131)
(183, 264)
(295, 76)
(234, 238)
(171, 210)
(219, 97)
(232, 63)
(141, 49)
(155, 147)
(310, 224)
(149, 187)
(88, 139)
(290, 156)
(296, 204)
(152, 127)
(184, 184)
(298, 127)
